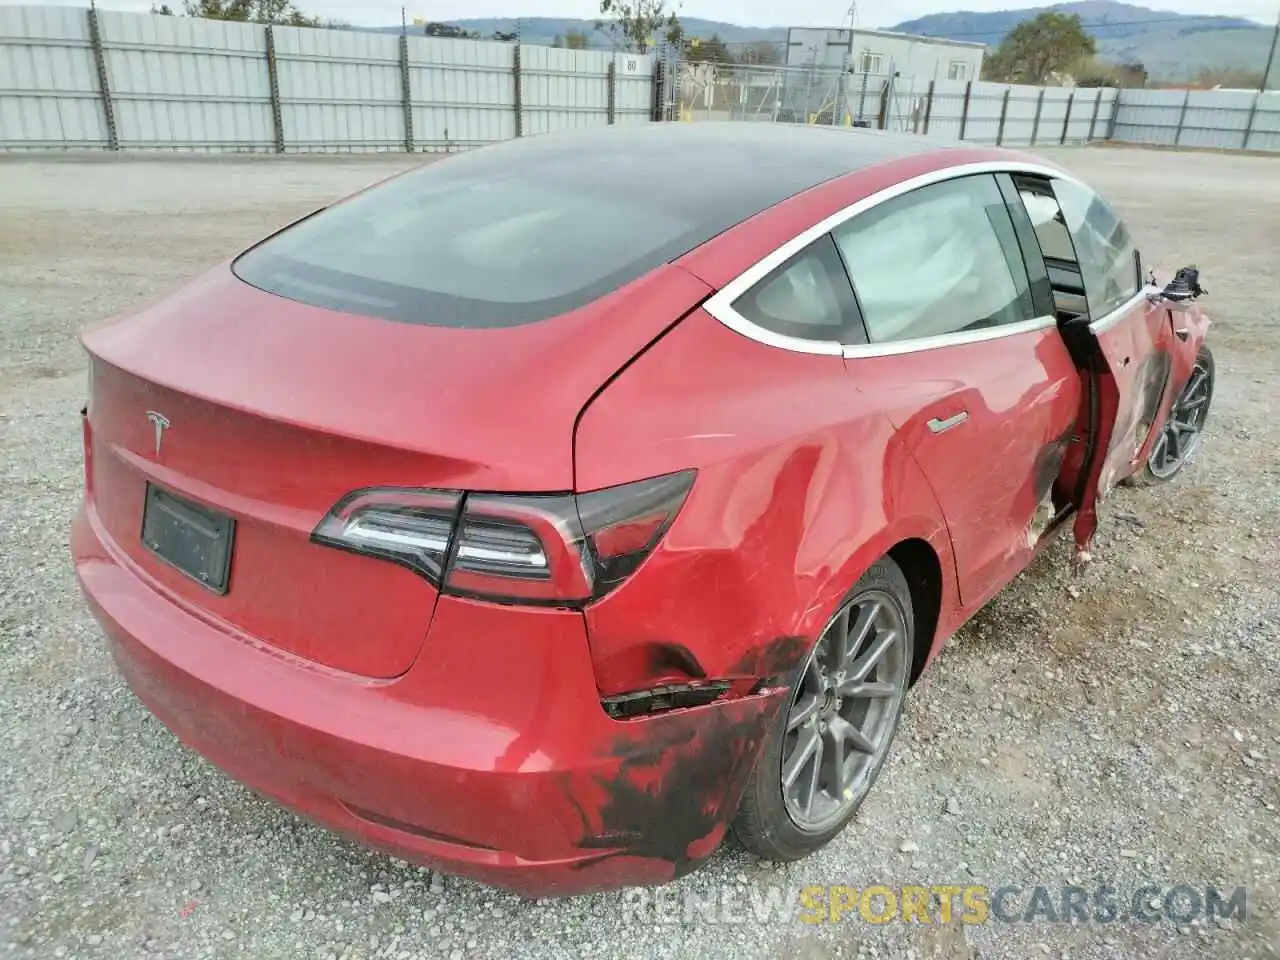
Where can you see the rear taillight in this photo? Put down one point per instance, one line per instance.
(406, 526)
(561, 549)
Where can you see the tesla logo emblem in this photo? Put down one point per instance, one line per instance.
(160, 422)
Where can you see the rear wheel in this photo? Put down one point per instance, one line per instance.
(1180, 437)
(827, 748)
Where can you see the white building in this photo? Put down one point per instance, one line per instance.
(884, 53)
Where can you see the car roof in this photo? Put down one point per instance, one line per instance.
(553, 222)
(713, 174)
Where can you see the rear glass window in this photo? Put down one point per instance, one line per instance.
(465, 243)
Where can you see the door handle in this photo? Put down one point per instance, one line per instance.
(941, 426)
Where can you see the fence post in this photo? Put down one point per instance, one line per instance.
(104, 85)
(273, 76)
(1182, 116)
(964, 113)
(406, 92)
(839, 106)
(1035, 124)
(611, 78)
(519, 90)
(1094, 119)
(928, 107)
(1115, 114)
(1066, 121)
(1004, 110)
(1248, 124)
(657, 86)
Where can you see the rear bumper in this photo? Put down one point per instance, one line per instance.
(490, 758)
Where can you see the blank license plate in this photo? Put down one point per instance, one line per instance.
(189, 537)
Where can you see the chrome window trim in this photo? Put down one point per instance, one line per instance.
(720, 304)
(739, 324)
(895, 347)
(1107, 321)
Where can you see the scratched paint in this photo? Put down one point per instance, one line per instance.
(673, 787)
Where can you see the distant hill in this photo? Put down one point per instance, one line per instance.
(1106, 20)
(1173, 47)
(544, 30)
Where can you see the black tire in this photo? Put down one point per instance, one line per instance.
(763, 825)
(1147, 476)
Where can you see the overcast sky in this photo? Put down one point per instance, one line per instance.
(760, 13)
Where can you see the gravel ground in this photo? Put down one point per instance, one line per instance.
(1115, 728)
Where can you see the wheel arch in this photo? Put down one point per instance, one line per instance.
(921, 547)
(922, 567)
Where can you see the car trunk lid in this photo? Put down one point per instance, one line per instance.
(267, 412)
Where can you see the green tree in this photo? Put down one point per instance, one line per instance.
(1092, 72)
(573, 40)
(251, 11)
(1034, 49)
(164, 10)
(633, 24)
(449, 31)
(763, 52)
(708, 50)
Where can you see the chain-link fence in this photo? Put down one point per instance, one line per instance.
(973, 111)
(706, 90)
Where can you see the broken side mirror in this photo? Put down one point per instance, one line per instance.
(1183, 288)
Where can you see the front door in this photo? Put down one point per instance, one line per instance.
(1120, 334)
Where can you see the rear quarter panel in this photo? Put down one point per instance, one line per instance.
(802, 484)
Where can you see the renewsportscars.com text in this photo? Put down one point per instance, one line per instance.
(880, 904)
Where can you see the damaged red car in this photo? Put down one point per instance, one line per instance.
(546, 512)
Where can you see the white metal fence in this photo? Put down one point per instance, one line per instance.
(75, 78)
(988, 113)
(80, 79)
(1221, 119)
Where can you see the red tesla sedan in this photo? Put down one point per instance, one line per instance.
(543, 513)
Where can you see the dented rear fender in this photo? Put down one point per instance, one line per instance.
(797, 494)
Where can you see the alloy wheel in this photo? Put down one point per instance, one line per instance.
(1180, 438)
(845, 710)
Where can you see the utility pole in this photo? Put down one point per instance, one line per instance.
(1266, 72)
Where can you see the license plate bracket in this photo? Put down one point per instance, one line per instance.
(191, 538)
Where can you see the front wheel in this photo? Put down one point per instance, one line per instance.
(827, 748)
(1180, 437)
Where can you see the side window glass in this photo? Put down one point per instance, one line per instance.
(941, 259)
(807, 297)
(1106, 254)
(1051, 228)
(1054, 240)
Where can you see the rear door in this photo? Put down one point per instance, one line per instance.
(964, 355)
(1122, 341)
